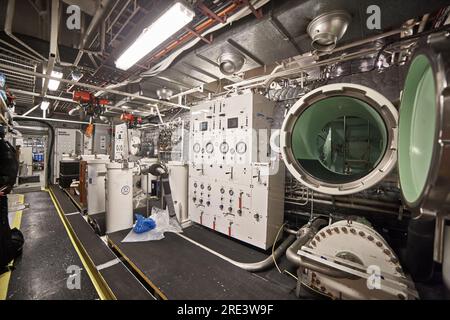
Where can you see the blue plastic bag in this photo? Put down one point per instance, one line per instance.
(143, 224)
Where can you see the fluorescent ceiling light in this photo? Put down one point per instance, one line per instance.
(54, 84)
(175, 18)
(44, 105)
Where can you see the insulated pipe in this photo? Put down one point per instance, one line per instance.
(251, 267)
(307, 234)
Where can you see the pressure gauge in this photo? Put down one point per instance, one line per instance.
(241, 147)
(224, 147)
(209, 147)
(196, 147)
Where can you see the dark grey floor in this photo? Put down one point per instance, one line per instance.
(41, 271)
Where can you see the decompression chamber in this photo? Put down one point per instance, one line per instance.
(340, 139)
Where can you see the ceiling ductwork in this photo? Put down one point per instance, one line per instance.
(328, 28)
(230, 63)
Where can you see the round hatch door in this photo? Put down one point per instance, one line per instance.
(340, 138)
(424, 130)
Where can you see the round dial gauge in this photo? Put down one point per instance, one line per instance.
(241, 147)
(196, 147)
(209, 147)
(224, 147)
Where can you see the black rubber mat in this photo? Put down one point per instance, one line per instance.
(123, 284)
(243, 252)
(182, 270)
(41, 271)
(75, 199)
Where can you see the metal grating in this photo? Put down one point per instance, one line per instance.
(17, 80)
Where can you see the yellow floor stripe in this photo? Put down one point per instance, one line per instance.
(6, 277)
(98, 286)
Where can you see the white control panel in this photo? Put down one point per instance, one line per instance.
(127, 142)
(236, 184)
(120, 138)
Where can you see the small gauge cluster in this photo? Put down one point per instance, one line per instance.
(223, 199)
(224, 147)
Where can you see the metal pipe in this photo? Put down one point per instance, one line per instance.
(35, 94)
(344, 205)
(10, 9)
(54, 31)
(251, 267)
(266, 78)
(363, 201)
(92, 26)
(19, 127)
(245, 84)
(31, 110)
(58, 120)
(307, 233)
(29, 56)
(90, 86)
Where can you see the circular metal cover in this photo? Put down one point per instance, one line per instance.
(377, 102)
(362, 247)
(424, 129)
(326, 29)
(230, 62)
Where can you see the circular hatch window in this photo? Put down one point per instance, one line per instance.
(340, 138)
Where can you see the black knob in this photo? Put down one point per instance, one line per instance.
(194, 199)
(222, 190)
(208, 203)
(239, 211)
(221, 207)
(230, 209)
(201, 200)
(209, 188)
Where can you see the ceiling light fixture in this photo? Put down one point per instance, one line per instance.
(54, 84)
(175, 18)
(44, 105)
(76, 75)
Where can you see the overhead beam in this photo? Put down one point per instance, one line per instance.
(244, 51)
(31, 110)
(53, 51)
(206, 73)
(93, 87)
